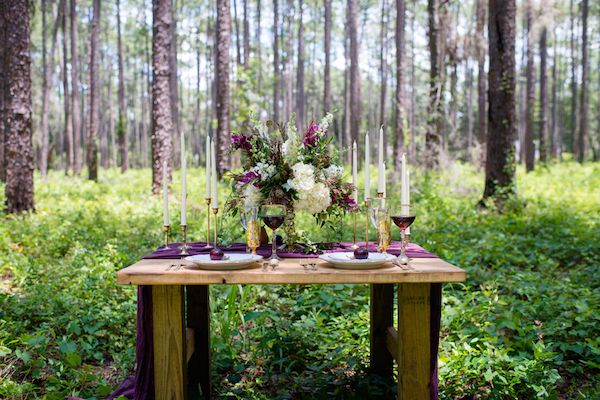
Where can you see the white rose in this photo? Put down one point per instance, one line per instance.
(252, 196)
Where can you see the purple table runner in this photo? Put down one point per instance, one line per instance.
(413, 250)
(141, 386)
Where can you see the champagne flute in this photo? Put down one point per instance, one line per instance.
(403, 218)
(273, 216)
(384, 235)
(251, 223)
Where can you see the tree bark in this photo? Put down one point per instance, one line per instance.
(469, 97)
(92, 135)
(70, 160)
(530, 95)
(162, 119)
(300, 106)
(222, 79)
(111, 127)
(499, 166)
(122, 121)
(355, 100)
(574, 62)
(543, 95)
(258, 49)
(238, 46)
(75, 99)
(555, 142)
(246, 36)
(432, 137)
(327, 72)
(276, 76)
(174, 90)
(3, 91)
(481, 78)
(413, 85)
(582, 138)
(347, 111)
(48, 76)
(17, 106)
(399, 94)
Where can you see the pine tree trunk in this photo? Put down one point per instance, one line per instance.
(258, 50)
(300, 106)
(276, 76)
(327, 72)
(582, 138)
(238, 46)
(413, 85)
(222, 79)
(499, 166)
(432, 137)
(75, 96)
(174, 91)
(543, 95)
(355, 100)
(383, 74)
(143, 123)
(92, 134)
(162, 119)
(246, 36)
(70, 160)
(48, 77)
(347, 111)
(530, 95)
(111, 127)
(122, 121)
(574, 62)
(399, 94)
(17, 106)
(469, 97)
(481, 78)
(555, 143)
(3, 91)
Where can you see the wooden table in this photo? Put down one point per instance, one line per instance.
(182, 356)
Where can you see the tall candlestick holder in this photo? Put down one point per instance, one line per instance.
(208, 200)
(354, 245)
(184, 246)
(166, 230)
(367, 224)
(215, 212)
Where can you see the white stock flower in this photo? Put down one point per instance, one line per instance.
(265, 170)
(313, 196)
(333, 172)
(252, 196)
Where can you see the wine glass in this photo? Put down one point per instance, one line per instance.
(403, 218)
(251, 223)
(273, 216)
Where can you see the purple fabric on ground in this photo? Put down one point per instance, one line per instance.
(413, 250)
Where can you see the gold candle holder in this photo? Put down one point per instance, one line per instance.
(354, 245)
(215, 212)
(207, 200)
(166, 230)
(367, 224)
(184, 246)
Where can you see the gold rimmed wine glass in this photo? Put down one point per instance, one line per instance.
(403, 217)
(251, 222)
(273, 216)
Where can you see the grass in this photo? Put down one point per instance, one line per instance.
(524, 325)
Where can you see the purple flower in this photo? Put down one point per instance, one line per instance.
(240, 141)
(349, 203)
(310, 139)
(247, 178)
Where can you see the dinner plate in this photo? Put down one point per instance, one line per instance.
(347, 261)
(229, 262)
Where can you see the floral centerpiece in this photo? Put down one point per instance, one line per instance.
(280, 166)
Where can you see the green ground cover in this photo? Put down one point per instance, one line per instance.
(524, 325)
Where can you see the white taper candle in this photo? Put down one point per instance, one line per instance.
(208, 166)
(367, 167)
(380, 169)
(355, 171)
(165, 194)
(213, 160)
(183, 182)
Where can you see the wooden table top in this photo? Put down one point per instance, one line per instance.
(289, 271)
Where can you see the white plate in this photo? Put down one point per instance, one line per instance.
(347, 260)
(229, 262)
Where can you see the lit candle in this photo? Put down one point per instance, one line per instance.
(213, 160)
(165, 195)
(404, 189)
(367, 167)
(355, 171)
(183, 182)
(208, 166)
(380, 169)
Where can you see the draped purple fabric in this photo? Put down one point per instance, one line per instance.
(141, 386)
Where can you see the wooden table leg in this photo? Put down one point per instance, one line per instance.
(169, 342)
(382, 317)
(413, 341)
(198, 319)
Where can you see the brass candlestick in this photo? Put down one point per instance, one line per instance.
(184, 246)
(208, 200)
(354, 245)
(367, 224)
(215, 212)
(166, 229)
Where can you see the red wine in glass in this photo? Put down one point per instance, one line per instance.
(403, 221)
(273, 222)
